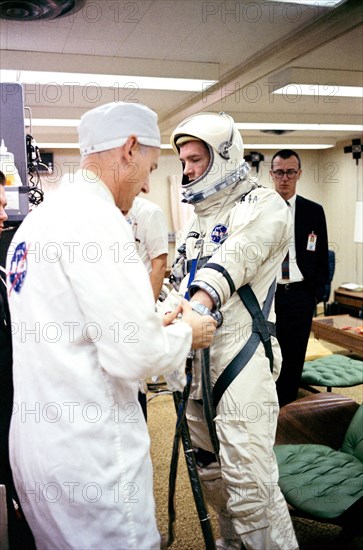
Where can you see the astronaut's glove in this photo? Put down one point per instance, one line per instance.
(176, 380)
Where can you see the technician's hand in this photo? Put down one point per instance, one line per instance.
(170, 317)
(203, 326)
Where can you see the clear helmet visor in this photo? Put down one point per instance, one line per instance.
(187, 183)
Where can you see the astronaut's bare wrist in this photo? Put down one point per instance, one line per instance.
(201, 285)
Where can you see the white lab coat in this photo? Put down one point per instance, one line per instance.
(85, 331)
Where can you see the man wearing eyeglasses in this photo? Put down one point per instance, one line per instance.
(304, 272)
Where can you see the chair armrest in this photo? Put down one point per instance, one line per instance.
(321, 418)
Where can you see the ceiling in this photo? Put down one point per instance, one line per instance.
(244, 45)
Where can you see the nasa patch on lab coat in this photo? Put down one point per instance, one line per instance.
(18, 267)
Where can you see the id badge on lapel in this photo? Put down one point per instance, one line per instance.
(311, 244)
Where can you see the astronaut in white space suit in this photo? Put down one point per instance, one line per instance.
(237, 236)
(84, 332)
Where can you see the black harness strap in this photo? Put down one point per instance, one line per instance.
(261, 331)
(225, 274)
(260, 325)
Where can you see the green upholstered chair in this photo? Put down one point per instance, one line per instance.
(337, 371)
(319, 449)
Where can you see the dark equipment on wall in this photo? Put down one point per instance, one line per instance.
(34, 160)
(254, 158)
(355, 149)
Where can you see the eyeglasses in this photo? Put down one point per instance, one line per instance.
(280, 174)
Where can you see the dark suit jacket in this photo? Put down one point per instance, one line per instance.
(310, 218)
(6, 385)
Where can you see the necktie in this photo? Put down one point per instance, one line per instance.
(285, 267)
(285, 264)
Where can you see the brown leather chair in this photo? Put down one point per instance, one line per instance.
(318, 447)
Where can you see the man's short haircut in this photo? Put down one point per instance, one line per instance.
(286, 154)
(2, 178)
(144, 148)
(183, 140)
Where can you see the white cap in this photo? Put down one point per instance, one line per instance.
(109, 126)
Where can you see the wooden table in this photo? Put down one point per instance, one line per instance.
(349, 298)
(335, 329)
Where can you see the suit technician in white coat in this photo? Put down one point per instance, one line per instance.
(151, 236)
(151, 240)
(85, 331)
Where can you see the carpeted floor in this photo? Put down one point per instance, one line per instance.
(161, 421)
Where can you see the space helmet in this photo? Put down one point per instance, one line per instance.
(224, 142)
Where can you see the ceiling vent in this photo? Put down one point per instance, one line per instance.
(35, 10)
(277, 132)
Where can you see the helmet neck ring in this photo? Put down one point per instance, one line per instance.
(194, 197)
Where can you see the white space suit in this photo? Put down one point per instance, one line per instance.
(244, 487)
(84, 331)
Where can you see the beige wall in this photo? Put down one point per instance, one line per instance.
(329, 177)
(339, 196)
